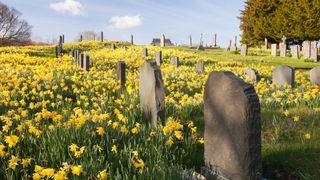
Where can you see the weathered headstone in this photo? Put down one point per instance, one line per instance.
(314, 51)
(132, 39)
(163, 41)
(233, 46)
(113, 46)
(244, 49)
(295, 51)
(175, 61)
(81, 60)
(283, 49)
(145, 52)
(252, 74)
(306, 49)
(232, 135)
(274, 48)
(151, 90)
(86, 64)
(159, 58)
(121, 74)
(101, 36)
(200, 47)
(200, 67)
(282, 75)
(315, 76)
(214, 40)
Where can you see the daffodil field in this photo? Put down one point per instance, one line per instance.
(60, 122)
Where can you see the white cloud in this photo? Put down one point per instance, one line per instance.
(125, 22)
(73, 7)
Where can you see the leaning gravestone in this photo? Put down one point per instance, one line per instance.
(315, 76)
(314, 51)
(232, 135)
(86, 64)
(175, 61)
(252, 74)
(121, 74)
(200, 67)
(145, 52)
(244, 49)
(159, 58)
(274, 49)
(282, 75)
(151, 92)
(295, 51)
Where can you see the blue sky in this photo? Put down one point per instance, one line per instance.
(145, 19)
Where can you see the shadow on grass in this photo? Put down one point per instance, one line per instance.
(292, 161)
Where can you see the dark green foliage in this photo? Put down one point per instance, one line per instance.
(272, 19)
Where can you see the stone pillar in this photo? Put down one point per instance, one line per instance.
(163, 41)
(131, 39)
(232, 134)
(214, 40)
(190, 41)
(151, 90)
(101, 36)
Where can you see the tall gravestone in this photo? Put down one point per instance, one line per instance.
(232, 134)
(306, 49)
(86, 64)
(283, 47)
(200, 67)
(81, 60)
(190, 41)
(234, 44)
(252, 74)
(151, 90)
(315, 76)
(314, 51)
(121, 74)
(201, 40)
(214, 40)
(282, 75)
(145, 52)
(101, 36)
(295, 51)
(274, 48)
(244, 49)
(163, 41)
(229, 45)
(81, 38)
(175, 61)
(131, 39)
(159, 58)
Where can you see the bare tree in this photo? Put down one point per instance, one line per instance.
(13, 29)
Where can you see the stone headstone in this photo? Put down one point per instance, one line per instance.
(266, 43)
(244, 49)
(121, 74)
(131, 39)
(315, 76)
(175, 61)
(151, 90)
(145, 52)
(159, 58)
(306, 49)
(283, 49)
(295, 51)
(200, 48)
(282, 75)
(232, 135)
(190, 41)
(234, 44)
(200, 67)
(201, 39)
(252, 74)
(101, 36)
(274, 48)
(163, 41)
(86, 64)
(214, 40)
(113, 46)
(314, 51)
(81, 60)
(229, 45)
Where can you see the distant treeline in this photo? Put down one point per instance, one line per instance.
(272, 19)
